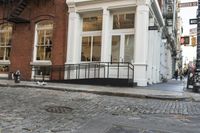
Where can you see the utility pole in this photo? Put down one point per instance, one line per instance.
(196, 85)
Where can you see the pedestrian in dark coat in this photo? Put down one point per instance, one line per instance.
(176, 74)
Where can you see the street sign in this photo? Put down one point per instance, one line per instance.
(193, 21)
(187, 4)
(193, 31)
(153, 27)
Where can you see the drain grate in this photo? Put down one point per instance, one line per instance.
(58, 109)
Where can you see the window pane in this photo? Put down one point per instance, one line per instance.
(47, 52)
(93, 23)
(40, 53)
(4, 69)
(128, 49)
(42, 70)
(115, 48)
(123, 21)
(1, 53)
(86, 49)
(2, 36)
(7, 54)
(45, 24)
(7, 27)
(44, 42)
(96, 52)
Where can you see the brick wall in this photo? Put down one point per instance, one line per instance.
(23, 34)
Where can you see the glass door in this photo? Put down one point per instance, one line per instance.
(115, 57)
(128, 48)
(91, 48)
(122, 48)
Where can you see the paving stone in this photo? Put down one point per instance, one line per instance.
(24, 109)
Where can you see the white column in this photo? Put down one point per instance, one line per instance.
(150, 53)
(158, 57)
(74, 37)
(105, 49)
(154, 57)
(141, 44)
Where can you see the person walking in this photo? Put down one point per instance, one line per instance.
(176, 74)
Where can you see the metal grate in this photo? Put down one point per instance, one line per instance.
(58, 109)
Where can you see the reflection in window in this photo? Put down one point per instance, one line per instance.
(93, 23)
(5, 41)
(44, 40)
(128, 49)
(123, 21)
(115, 48)
(91, 48)
(4, 69)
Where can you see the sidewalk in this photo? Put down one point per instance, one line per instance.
(172, 90)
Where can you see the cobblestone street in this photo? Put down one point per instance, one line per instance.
(25, 110)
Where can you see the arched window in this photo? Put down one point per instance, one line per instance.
(5, 47)
(43, 42)
(5, 41)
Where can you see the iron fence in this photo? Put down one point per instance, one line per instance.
(92, 70)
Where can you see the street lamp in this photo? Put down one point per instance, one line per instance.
(196, 85)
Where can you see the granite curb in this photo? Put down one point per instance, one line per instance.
(109, 93)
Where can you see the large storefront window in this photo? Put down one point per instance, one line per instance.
(93, 23)
(91, 48)
(123, 37)
(5, 41)
(123, 21)
(91, 38)
(44, 34)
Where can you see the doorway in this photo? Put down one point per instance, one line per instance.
(122, 47)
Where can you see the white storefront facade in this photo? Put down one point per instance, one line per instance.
(117, 31)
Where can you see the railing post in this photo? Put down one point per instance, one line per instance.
(128, 70)
(108, 71)
(69, 70)
(118, 70)
(133, 74)
(79, 71)
(95, 70)
(99, 71)
(89, 70)
(76, 71)
(85, 71)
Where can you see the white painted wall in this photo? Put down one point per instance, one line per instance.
(147, 43)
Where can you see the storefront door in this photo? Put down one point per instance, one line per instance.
(122, 48)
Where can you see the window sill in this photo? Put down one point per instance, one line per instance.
(41, 63)
(4, 62)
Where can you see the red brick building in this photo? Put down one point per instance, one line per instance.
(32, 37)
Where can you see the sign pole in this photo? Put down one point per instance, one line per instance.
(196, 85)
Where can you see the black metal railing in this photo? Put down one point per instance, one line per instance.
(92, 70)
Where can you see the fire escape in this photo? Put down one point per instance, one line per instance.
(170, 20)
(14, 10)
(170, 16)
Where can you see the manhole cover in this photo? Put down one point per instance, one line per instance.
(58, 109)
